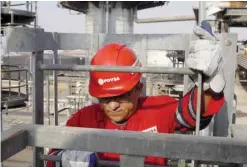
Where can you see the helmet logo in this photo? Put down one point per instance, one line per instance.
(102, 81)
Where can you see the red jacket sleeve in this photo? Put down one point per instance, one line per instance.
(185, 114)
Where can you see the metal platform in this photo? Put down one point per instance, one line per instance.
(82, 6)
(14, 88)
(12, 99)
(237, 17)
(234, 17)
(14, 17)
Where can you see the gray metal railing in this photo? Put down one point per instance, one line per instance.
(127, 144)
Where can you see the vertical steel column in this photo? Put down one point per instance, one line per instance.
(19, 83)
(186, 79)
(198, 105)
(143, 58)
(202, 16)
(27, 86)
(223, 118)
(55, 100)
(38, 101)
(131, 161)
(198, 109)
(48, 98)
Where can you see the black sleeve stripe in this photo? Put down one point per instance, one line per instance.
(205, 121)
(179, 115)
(190, 106)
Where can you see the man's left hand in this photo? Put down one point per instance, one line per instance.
(205, 56)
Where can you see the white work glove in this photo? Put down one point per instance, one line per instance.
(205, 57)
(75, 158)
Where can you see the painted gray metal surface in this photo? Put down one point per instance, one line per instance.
(224, 117)
(21, 39)
(239, 131)
(128, 160)
(174, 146)
(55, 85)
(199, 102)
(13, 142)
(38, 101)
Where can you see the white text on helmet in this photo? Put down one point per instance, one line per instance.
(102, 81)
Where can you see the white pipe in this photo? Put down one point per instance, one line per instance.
(163, 19)
(166, 19)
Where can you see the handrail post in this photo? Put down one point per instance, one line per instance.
(38, 102)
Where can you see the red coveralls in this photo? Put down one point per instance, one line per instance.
(158, 114)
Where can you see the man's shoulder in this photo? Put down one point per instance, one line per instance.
(91, 109)
(86, 117)
(159, 100)
(152, 108)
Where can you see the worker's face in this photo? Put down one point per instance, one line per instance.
(120, 108)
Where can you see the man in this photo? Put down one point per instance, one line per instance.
(122, 107)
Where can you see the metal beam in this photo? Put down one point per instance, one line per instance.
(166, 19)
(223, 118)
(12, 142)
(157, 70)
(22, 39)
(176, 146)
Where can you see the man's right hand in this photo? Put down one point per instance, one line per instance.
(75, 158)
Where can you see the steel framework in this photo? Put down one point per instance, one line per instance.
(134, 146)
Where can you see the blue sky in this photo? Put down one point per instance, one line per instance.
(52, 18)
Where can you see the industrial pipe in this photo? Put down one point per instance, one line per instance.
(166, 19)
(163, 19)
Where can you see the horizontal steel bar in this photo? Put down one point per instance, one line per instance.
(54, 158)
(157, 70)
(14, 70)
(30, 40)
(13, 142)
(8, 87)
(175, 146)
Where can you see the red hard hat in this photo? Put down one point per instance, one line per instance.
(109, 84)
